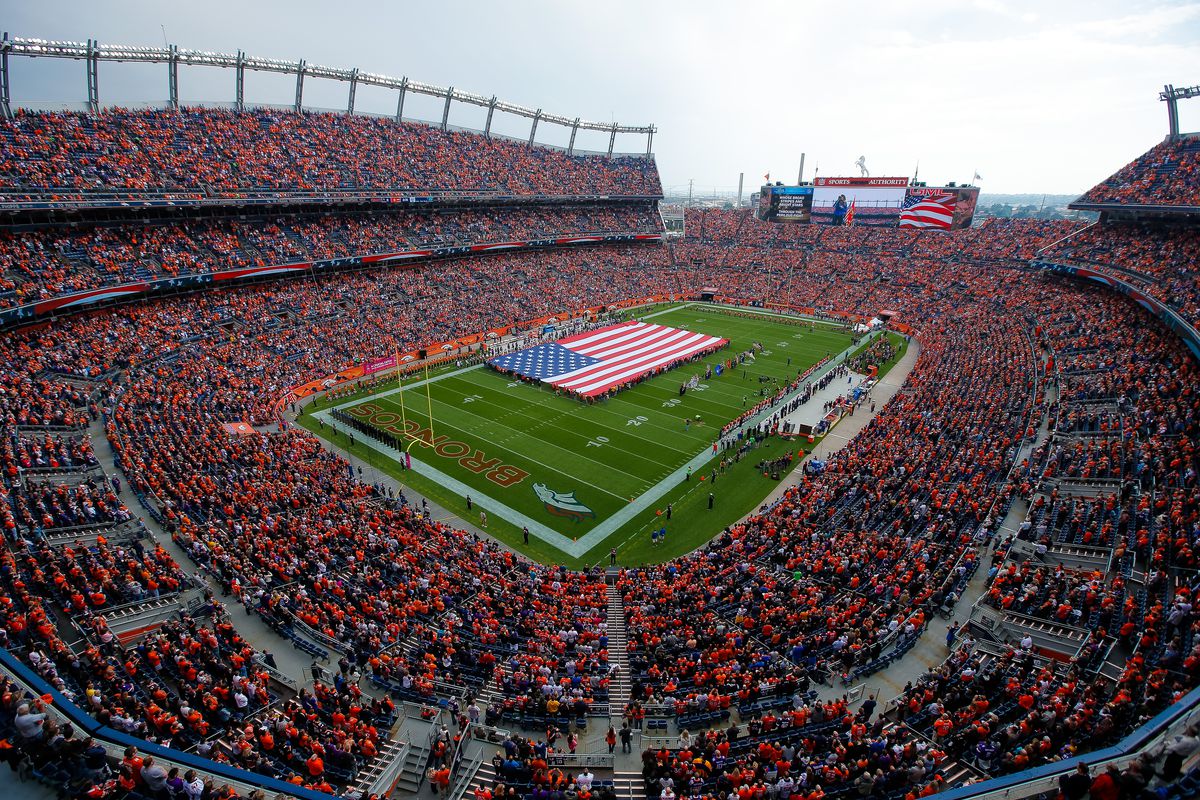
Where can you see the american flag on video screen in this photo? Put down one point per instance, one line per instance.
(592, 363)
(928, 211)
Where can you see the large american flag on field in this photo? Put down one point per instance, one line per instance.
(928, 211)
(591, 363)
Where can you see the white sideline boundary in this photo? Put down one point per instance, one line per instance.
(576, 547)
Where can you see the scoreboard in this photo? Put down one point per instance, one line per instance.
(877, 201)
(885, 201)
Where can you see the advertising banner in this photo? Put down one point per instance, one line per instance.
(379, 365)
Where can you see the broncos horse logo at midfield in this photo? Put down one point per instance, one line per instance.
(562, 504)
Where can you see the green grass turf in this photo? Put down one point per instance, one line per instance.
(613, 451)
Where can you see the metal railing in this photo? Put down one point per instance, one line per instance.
(93, 52)
(115, 742)
(462, 780)
(576, 760)
(386, 781)
(275, 674)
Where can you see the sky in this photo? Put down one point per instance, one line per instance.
(1032, 96)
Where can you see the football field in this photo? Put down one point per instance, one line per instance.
(586, 477)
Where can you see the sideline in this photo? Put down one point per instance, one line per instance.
(577, 547)
(848, 428)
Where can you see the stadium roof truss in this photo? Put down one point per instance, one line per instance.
(1171, 95)
(93, 52)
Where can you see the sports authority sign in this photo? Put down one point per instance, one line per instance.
(860, 181)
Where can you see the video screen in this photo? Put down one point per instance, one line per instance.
(939, 207)
(875, 201)
(870, 201)
(786, 204)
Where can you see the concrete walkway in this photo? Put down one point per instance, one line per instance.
(849, 427)
(292, 662)
(812, 412)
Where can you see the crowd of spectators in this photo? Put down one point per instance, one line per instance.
(296, 331)
(854, 561)
(46, 452)
(186, 684)
(52, 262)
(43, 505)
(31, 399)
(1058, 594)
(805, 751)
(1071, 519)
(523, 769)
(198, 152)
(848, 566)
(750, 238)
(39, 264)
(1167, 174)
(1021, 709)
(1159, 258)
(88, 579)
(299, 523)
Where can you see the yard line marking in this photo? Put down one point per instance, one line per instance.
(666, 311)
(548, 397)
(518, 432)
(560, 415)
(580, 546)
(439, 422)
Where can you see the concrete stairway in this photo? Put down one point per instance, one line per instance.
(485, 776)
(618, 654)
(629, 785)
(955, 772)
(412, 773)
(384, 773)
(490, 693)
